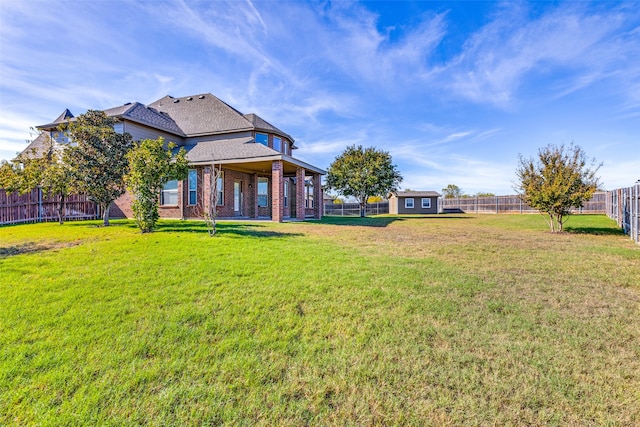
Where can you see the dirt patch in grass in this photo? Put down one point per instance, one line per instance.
(32, 247)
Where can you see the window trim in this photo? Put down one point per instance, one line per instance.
(190, 190)
(286, 193)
(428, 200)
(277, 138)
(220, 188)
(170, 191)
(264, 180)
(266, 143)
(406, 203)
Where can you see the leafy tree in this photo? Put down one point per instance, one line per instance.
(481, 194)
(363, 173)
(374, 199)
(97, 158)
(559, 180)
(10, 178)
(451, 191)
(45, 169)
(151, 166)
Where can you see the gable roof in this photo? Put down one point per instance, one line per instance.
(140, 113)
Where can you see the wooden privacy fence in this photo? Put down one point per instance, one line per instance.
(513, 204)
(38, 207)
(623, 206)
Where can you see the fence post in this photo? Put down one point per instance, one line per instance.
(497, 211)
(39, 204)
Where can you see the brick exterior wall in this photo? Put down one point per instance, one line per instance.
(121, 207)
(277, 189)
(275, 210)
(300, 209)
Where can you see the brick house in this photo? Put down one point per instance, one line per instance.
(413, 202)
(260, 177)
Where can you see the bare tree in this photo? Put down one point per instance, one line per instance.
(212, 211)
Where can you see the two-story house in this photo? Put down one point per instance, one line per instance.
(260, 177)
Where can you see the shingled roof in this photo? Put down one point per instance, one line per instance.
(227, 149)
(38, 147)
(202, 114)
(140, 113)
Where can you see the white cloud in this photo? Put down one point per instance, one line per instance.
(496, 59)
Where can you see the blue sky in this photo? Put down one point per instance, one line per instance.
(454, 91)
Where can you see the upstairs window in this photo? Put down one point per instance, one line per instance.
(262, 138)
(263, 192)
(408, 203)
(169, 194)
(426, 203)
(192, 183)
(277, 143)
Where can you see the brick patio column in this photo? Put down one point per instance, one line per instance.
(277, 191)
(300, 174)
(317, 197)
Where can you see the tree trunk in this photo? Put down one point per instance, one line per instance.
(363, 209)
(61, 209)
(105, 213)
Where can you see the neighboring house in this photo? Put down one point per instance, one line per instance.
(260, 177)
(413, 202)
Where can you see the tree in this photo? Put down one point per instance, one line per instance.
(215, 181)
(151, 166)
(451, 191)
(10, 178)
(481, 194)
(43, 168)
(559, 180)
(97, 158)
(363, 173)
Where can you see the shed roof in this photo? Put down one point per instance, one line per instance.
(416, 194)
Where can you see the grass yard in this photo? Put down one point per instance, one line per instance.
(440, 320)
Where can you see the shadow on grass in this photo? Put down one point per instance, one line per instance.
(222, 228)
(381, 220)
(596, 231)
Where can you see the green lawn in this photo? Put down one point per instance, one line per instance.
(440, 320)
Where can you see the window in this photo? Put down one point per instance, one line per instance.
(263, 192)
(286, 192)
(277, 143)
(169, 194)
(408, 203)
(426, 203)
(192, 184)
(220, 188)
(287, 148)
(308, 200)
(262, 138)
